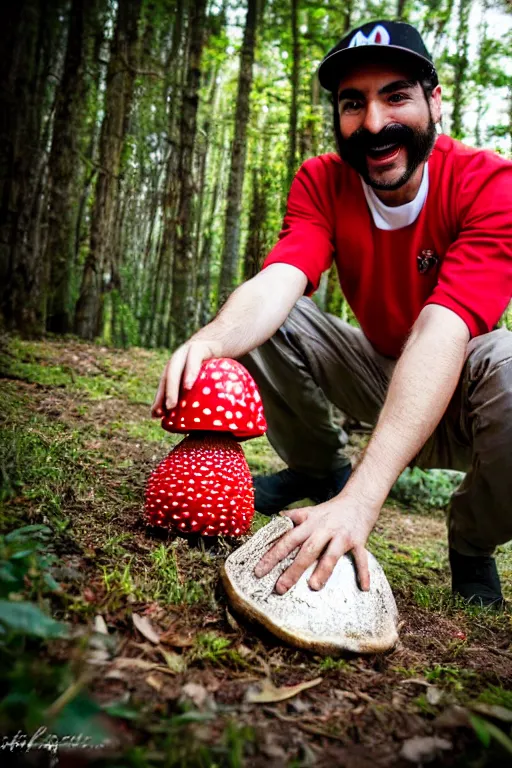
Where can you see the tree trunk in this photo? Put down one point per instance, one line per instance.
(255, 250)
(400, 10)
(63, 164)
(182, 303)
(118, 98)
(294, 107)
(482, 75)
(163, 277)
(229, 269)
(29, 36)
(461, 66)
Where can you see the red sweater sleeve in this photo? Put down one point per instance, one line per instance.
(306, 237)
(475, 279)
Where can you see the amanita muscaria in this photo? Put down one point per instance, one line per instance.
(204, 485)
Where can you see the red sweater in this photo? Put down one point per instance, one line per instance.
(466, 221)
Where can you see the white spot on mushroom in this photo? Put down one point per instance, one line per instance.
(233, 376)
(233, 426)
(238, 389)
(206, 411)
(197, 420)
(219, 408)
(206, 390)
(183, 403)
(216, 375)
(217, 423)
(238, 414)
(229, 415)
(195, 404)
(257, 397)
(250, 425)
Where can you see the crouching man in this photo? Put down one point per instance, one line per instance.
(420, 228)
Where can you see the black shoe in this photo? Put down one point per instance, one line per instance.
(272, 493)
(476, 580)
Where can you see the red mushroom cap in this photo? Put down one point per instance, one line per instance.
(203, 486)
(224, 398)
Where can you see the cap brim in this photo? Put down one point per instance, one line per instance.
(333, 68)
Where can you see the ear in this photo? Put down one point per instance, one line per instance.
(436, 104)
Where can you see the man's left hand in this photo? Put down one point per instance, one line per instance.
(324, 533)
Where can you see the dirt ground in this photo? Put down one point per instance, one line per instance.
(172, 668)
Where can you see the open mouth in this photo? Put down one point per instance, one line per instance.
(384, 154)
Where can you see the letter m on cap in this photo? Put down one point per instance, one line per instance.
(378, 36)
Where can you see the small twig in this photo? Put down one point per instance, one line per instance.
(68, 695)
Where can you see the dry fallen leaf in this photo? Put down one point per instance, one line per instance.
(143, 624)
(175, 662)
(434, 695)
(424, 749)
(269, 693)
(196, 693)
(155, 682)
(492, 710)
(174, 638)
(124, 662)
(100, 625)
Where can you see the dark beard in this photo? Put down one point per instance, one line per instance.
(418, 144)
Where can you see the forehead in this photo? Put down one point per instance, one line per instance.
(373, 77)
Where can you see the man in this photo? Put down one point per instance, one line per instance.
(421, 231)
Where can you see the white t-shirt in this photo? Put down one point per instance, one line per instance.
(396, 217)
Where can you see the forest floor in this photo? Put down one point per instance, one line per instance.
(148, 660)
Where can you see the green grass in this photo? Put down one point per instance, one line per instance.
(497, 696)
(165, 583)
(211, 648)
(43, 462)
(328, 664)
(35, 363)
(413, 571)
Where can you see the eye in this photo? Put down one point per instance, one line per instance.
(350, 106)
(397, 98)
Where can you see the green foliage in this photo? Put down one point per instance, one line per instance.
(186, 740)
(487, 732)
(497, 695)
(454, 678)
(212, 648)
(29, 681)
(430, 488)
(328, 664)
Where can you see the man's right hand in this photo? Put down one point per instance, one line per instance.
(182, 369)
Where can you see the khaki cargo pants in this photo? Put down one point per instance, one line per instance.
(315, 360)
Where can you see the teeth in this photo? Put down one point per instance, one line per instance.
(384, 148)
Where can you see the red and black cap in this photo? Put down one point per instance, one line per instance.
(393, 41)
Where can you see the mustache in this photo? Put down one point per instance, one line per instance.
(363, 140)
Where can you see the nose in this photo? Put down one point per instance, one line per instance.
(375, 117)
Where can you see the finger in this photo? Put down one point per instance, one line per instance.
(193, 363)
(286, 544)
(157, 407)
(309, 552)
(173, 378)
(327, 563)
(297, 516)
(363, 572)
